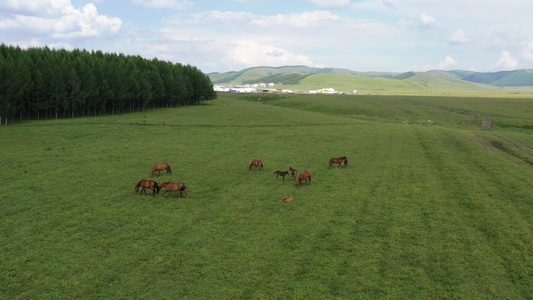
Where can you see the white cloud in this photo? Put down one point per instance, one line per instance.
(173, 4)
(459, 37)
(391, 3)
(301, 20)
(427, 21)
(527, 51)
(506, 62)
(330, 3)
(247, 54)
(59, 18)
(447, 63)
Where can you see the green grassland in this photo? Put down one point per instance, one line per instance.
(423, 211)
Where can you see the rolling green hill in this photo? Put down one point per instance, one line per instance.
(434, 81)
(240, 77)
(516, 78)
(417, 83)
(451, 85)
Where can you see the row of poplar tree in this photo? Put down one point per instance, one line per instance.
(42, 83)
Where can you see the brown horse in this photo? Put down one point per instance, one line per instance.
(147, 184)
(174, 186)
(305, 175)
(338, 160)
(282, 174)
(256, 164)
(287, 199)
(294, 172)
(160, 167)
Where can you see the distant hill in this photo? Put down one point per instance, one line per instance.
(257, 73)
(514, 78)
(434, 81)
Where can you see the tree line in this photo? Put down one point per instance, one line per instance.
(39, 83)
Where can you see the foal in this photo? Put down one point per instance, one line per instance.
(294, 172)
(282, 174)
(287, 199)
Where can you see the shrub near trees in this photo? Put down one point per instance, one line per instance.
(47, 83)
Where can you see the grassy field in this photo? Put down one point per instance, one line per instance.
(423, 211)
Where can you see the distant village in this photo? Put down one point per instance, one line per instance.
(270, 88)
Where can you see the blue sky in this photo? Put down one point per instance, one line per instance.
(230, 35)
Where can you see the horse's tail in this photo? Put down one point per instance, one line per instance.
(169, 169)
(309, 178)
(156, 186)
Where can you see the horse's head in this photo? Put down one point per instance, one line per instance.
(153, 173)
(137, 189)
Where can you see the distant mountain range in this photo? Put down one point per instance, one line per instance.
(440, 80)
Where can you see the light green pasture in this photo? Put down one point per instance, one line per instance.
(422, 211)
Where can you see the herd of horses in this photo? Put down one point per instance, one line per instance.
(156, 187)
(256, 164)
(305, 176)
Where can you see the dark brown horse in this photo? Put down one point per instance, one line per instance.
(175, 186)
(256, 164)
(282, 174)
(338, 160)
(305, 175)
(294, 172)
(160, 167)
(147, 184)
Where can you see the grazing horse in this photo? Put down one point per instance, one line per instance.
(256, 164)
(282, 174)
(287, 199)
(147, 184)
(294, 172)
(305, 175)
(338, 160)
(160, 167)
(175, 186)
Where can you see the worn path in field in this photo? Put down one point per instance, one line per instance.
(508, 139)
